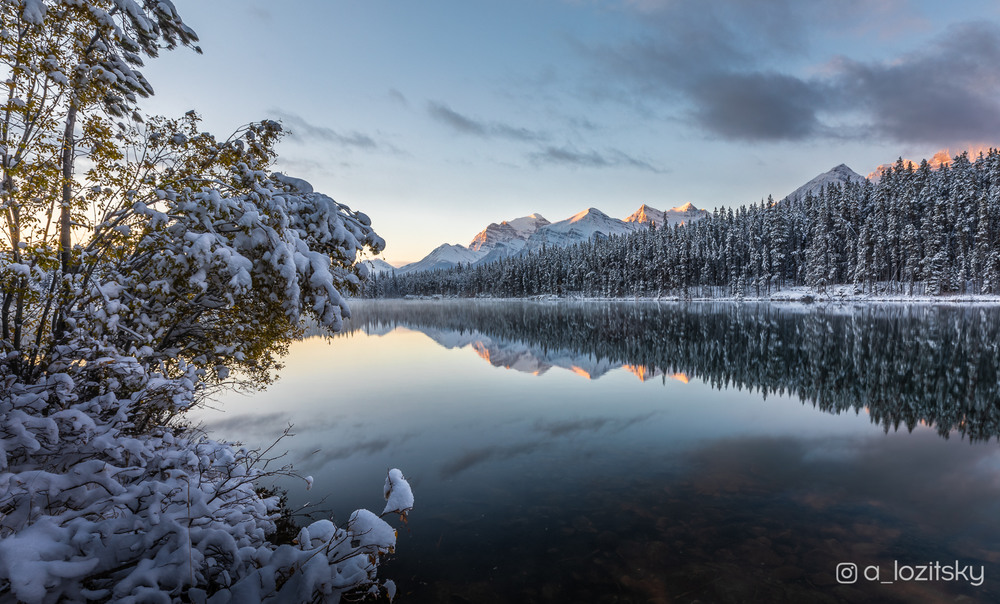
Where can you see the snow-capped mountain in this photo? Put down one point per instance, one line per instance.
(588, 224)
(445, 255)
(682, 214)
(498, 240)
(508, 232)
(377, 265)
(507, 238)
(530, 233)
(838, 175)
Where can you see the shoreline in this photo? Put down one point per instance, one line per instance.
(796, 296)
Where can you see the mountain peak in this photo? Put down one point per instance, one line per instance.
(588, 213)
(680, 215)
(646, 214)
(508, 232)
(840, 174)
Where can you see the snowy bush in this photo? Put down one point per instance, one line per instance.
(105, 496)
(93, 511)
(174, 264)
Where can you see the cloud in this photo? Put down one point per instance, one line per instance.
(466, 125)
(307, 167)
(567, 155)
(455, 120)
(724, 68)
(300, 130)
(589, 158)
(757, 106)
(945, 93)
(398, 97)
(259, 12)
(712, 65)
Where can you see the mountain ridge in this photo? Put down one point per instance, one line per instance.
(509, 238)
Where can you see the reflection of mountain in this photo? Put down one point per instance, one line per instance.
(647, 373)
(902, 364)
(514, 355)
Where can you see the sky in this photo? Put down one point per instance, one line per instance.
(437, 118)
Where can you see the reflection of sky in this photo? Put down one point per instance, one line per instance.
(475, 439)
(401, 399)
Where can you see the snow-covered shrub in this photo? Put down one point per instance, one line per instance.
(91, 511)
(175, 263)
(103, 496)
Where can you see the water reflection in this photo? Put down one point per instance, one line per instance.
(903, 365)
(667, 476)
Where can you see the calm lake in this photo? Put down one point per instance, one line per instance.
(644, 452)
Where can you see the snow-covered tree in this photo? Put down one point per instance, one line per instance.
(175, 263)
(916, 231)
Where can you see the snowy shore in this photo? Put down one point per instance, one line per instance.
(841, 294)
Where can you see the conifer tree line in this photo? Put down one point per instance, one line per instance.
(917, 230)
(901, 364)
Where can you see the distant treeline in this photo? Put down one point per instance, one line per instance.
(903, 365)
(917, 230)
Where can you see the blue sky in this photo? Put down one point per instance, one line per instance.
(437, 118)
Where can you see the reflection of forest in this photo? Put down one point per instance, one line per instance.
(902, 364)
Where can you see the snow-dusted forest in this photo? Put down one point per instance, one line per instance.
(917, 230)
(145, 263)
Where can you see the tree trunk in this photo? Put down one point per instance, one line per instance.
(65, 217)
(65, 213)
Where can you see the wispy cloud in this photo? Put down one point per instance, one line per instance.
(464, 124)
(300, 130)
(398, 97)
(259, 12)
(589, 158)
(305, 166)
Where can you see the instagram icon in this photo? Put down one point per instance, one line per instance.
(847, 573)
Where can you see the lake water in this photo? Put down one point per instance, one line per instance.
(643, 452)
